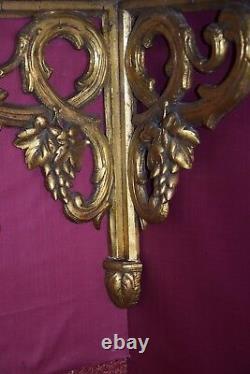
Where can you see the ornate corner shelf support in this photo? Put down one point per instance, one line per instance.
(136, 148)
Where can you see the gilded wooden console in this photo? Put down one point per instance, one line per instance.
(155, 144)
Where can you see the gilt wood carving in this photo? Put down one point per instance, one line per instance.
(153, 145)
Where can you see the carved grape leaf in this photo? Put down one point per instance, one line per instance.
(181, 140)
(39, 144)
(56, 150)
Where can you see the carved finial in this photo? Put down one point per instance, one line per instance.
(123, 281)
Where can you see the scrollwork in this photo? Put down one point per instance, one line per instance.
(165, 136)
(215, 101)
(55, 134)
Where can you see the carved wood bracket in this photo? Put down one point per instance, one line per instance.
(138, 147)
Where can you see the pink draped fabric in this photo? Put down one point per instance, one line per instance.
(54, 310)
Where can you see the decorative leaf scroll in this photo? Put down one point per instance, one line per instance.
(165, 137)
(57, 151)
(57, 145)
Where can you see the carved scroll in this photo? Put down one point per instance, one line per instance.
(165, 133)
(54, 135)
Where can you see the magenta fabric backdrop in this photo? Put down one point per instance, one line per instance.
(54, 310)
(195, 304)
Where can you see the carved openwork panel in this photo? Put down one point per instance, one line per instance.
(55, 134)
(166, 134)
(151, 145)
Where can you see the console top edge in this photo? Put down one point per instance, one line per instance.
(24, 6)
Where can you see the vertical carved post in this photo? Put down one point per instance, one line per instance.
(123, 268)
